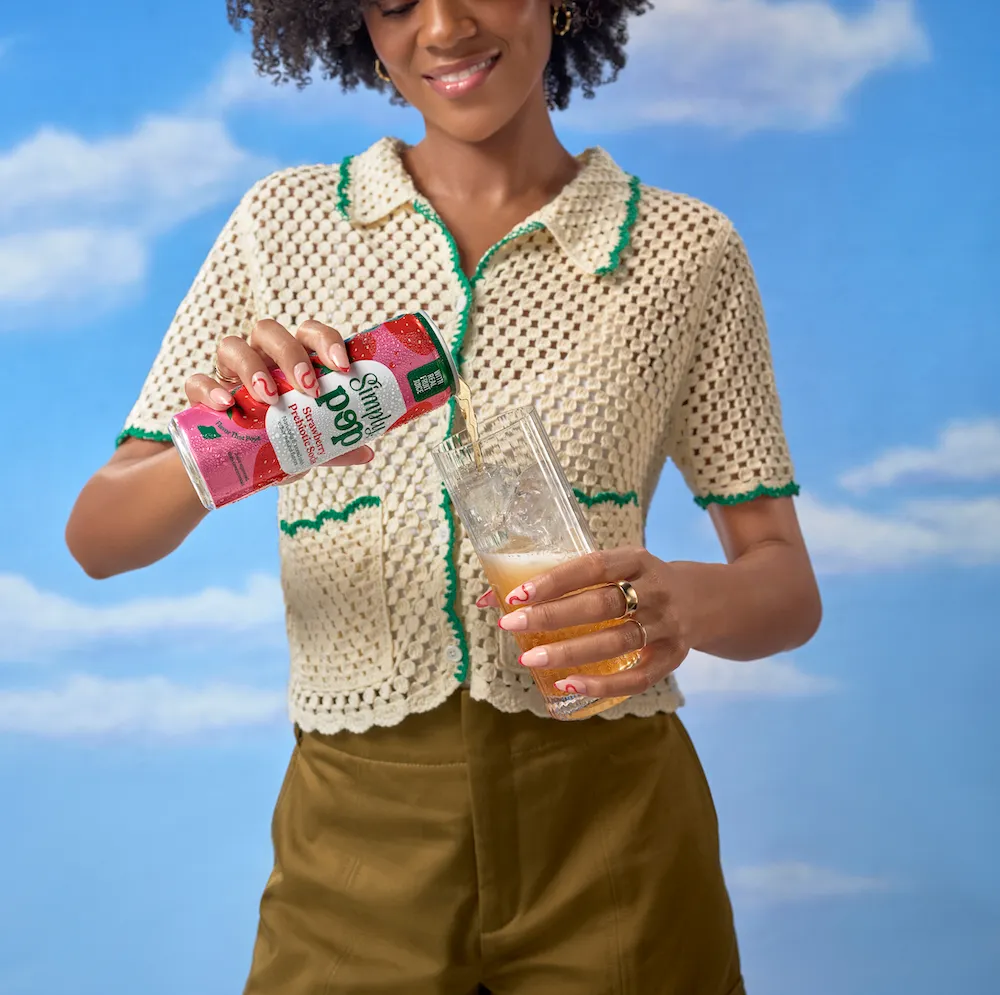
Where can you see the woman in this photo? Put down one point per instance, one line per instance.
(435, 832)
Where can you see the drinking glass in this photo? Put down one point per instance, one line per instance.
(520, 513)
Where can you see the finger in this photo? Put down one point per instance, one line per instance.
(599, 605)
(488, 600)
(595, 647)
(293, 478)
(356, 457)
(202, 389)
(288, 353)
(326, 342)
(655, 663)
(236, 357)
(604, 567)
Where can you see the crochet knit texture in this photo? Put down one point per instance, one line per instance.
(628, 315)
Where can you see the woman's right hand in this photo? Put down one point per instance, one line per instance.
(270, 344)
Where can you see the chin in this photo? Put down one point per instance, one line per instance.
(472, 130)
(475, 125)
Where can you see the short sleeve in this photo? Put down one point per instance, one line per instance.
(726, 434)
(219, 303)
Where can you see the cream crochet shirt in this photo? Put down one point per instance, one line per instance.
(629, 316)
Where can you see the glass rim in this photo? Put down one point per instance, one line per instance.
(461, 442)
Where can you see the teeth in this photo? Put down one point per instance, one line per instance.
(465, 73)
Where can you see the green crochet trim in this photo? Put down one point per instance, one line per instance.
(525, 229)
(606, 497)
(367, 501)
(141, 433)
(761, 490)
(428, 212)
(451, 593)
(468, 289)
(343, 188)
(624, 229)
(451, 589)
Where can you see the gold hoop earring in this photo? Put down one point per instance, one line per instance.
(562, 29)
(380, 71)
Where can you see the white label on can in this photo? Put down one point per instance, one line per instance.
(352, 409)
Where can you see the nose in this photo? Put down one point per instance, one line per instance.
(446, 23)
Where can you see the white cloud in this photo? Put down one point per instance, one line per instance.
(842, 538)
(69, 263)
(793, 881)
(77, 215)
(167, 169)
(152, 706)
(37, 624)
(964, 451)
(771, 678)
(745, 65)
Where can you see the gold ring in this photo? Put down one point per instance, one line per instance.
(631, 598)
(645, 635)
(222, 378)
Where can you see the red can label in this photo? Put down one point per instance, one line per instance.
(399, 370)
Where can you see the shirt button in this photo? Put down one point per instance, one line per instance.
(443, 534)
(453, 654)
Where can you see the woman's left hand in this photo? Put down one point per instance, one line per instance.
(548, 603)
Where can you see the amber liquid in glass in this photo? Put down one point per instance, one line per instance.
(506, 571)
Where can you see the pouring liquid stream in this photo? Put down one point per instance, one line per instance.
(463, 398)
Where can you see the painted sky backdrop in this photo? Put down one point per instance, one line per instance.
(854, 143)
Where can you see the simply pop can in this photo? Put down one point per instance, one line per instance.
(399, 370)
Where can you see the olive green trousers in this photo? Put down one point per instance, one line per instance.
(466, 849)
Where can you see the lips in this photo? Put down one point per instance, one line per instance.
(458, 78)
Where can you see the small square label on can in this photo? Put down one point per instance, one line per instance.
(429, 380)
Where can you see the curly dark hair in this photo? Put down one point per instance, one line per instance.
(292, 37)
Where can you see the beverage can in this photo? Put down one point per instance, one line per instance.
(400, 369)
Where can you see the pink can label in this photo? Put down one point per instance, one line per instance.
(399, 371)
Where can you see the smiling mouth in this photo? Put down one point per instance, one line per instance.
(463, 80)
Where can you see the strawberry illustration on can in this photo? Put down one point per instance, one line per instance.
(399, 371)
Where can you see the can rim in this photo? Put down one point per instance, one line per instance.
(430, 326)
(184, 451)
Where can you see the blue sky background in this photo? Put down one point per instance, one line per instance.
(855, 146)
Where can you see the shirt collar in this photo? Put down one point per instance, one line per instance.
(591, 218)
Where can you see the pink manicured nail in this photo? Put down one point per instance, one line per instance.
(223, 397)
(264, 388)
(339, 357)
(537, 657)
(514, 622)
(569, 687)
(481, 603)
(522, 595)
(305, 377)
